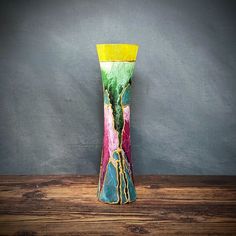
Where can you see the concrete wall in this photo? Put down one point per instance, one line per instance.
(183, 92)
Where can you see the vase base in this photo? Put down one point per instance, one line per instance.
(117, 186)
(116, 203)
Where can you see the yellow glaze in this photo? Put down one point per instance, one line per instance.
(117, 52)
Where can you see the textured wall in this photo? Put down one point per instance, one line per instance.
(183, 93)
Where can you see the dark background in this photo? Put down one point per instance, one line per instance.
(183, 93)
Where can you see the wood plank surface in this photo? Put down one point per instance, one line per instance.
(166, 205)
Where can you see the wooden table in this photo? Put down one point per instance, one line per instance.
(166, 205)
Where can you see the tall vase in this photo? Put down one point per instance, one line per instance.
(116, 181)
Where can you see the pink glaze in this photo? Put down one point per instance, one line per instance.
(110, 140)
(126, 145)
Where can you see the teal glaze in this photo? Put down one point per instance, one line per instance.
(132, 192)
(124, 198)
(106, 97)
(126, 95)
(118, 185)
(109, 190)
(116, 155)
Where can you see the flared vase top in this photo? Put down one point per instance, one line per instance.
(117, 52)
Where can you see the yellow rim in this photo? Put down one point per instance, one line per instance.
(117, 52)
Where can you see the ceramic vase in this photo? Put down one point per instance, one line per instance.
(116, 180)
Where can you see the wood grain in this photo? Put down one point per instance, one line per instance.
(166, 205)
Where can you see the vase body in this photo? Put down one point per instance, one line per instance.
(116, 181)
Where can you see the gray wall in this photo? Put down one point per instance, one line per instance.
(183, 95)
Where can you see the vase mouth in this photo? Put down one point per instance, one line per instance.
(117, 52)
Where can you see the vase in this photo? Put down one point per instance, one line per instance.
(116, 180)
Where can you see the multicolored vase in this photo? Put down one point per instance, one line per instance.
(116, 181)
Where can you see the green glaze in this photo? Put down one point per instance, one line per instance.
(116, 78)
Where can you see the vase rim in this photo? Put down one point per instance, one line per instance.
(117, 52)
(128, 44)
